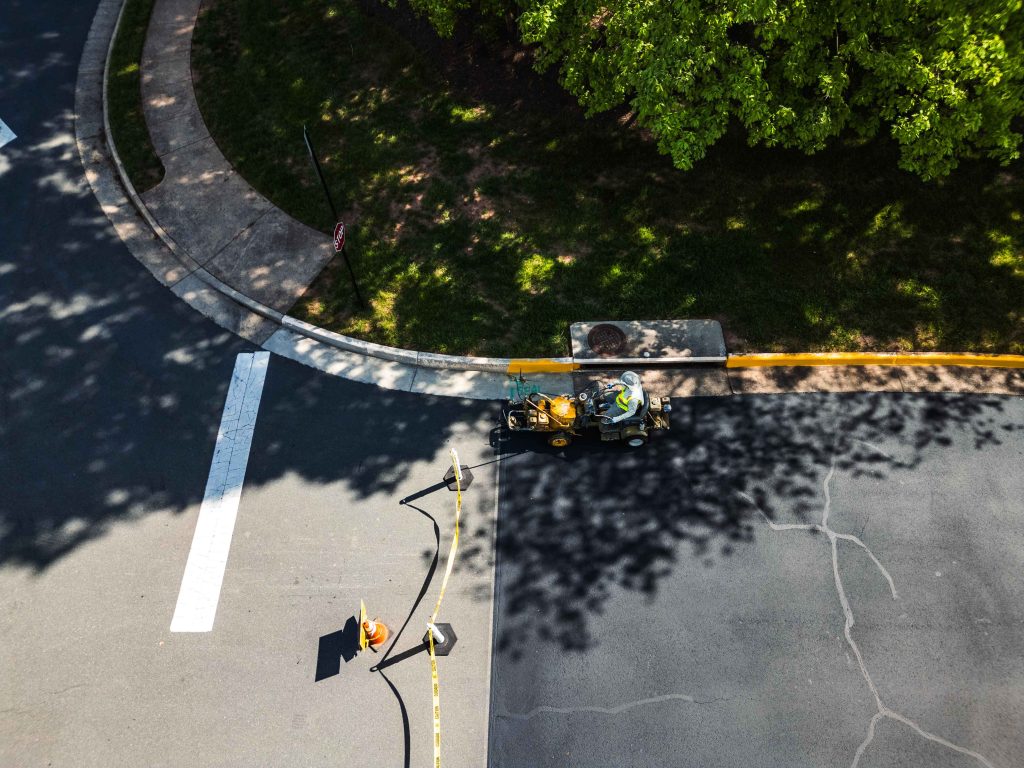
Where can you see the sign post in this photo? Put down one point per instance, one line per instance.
(339, 227)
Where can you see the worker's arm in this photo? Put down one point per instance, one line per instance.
(631, 406)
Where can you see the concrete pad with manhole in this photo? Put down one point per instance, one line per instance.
(650, 342)
(781, 581)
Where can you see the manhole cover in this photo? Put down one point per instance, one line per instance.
(606, 340)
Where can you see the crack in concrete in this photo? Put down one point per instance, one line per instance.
(607, 710)
(66, 690)
(834, 537)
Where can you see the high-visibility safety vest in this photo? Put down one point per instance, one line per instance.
(623, 399)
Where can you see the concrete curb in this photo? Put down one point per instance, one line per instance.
(322, 335)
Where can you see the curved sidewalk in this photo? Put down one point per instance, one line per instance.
(234, 256)
(217, 220)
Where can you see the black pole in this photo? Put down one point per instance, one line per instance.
(334, 213)
(352, 277)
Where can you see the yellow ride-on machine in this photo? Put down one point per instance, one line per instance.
(563, 417)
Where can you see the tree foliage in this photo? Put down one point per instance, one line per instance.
(945, 78)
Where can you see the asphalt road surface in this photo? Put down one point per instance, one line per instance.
(786, 580)
(108, 381)
(111, 393)
(792, 580)
(342, 501)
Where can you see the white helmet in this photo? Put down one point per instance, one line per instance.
(630, 379)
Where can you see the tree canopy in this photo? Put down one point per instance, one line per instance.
(944, 78)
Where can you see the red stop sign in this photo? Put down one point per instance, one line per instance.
(339, 236)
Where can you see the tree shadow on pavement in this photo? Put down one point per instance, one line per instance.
(576, 525)
(111, 388)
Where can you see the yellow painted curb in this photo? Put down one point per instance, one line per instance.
(540, 366)
(873, 358)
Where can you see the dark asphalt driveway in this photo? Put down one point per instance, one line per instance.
(687, 604)
(108, 382)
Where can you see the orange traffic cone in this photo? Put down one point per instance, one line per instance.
(376, 633)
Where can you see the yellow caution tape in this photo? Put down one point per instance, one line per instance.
(455, 540)
(363, 640)
(437, 701)
(437, 609)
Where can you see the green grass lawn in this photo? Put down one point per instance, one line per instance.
(486, 227)
(127, 122)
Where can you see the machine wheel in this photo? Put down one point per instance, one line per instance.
(635, 438)
(559, 439)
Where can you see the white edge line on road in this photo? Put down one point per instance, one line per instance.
(6, 134)
(208, 557)
(495, 597)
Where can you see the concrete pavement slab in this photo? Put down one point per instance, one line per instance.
(172, 67)
(173, 132)
(167, 39)
(175, 13)
(406, 376)
(953, 379)
(273, 260)
(166, 77)
(201, 203)
(172, 101)
(89, 108)
(226, 313)
(407, 356)
(866, 378)
(338, 362)
(94, 52)
(144, 245)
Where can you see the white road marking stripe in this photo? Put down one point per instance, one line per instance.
(6, 134)
(204, 571)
